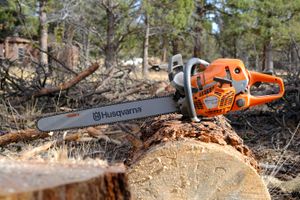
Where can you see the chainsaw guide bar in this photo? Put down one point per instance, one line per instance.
(108, 114)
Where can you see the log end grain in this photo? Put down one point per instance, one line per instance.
(189, 169)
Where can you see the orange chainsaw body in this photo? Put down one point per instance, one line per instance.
(225, 86)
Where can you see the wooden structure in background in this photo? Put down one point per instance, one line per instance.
(15, 48)
(22, 50)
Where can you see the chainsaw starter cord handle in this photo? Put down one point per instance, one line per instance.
(188, 88)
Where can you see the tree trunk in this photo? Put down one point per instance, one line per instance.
(33, 181)
(268, 52)
(43, 34)
(86, 46)
(235, 47)
(294, 59)
(110, 48)
(257, 66)
(164, 55)
(146, 46)
(175, 45)
(197, 43)
(165, 50)
(183, 160)
(69, 34)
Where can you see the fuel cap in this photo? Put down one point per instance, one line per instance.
(240, 102)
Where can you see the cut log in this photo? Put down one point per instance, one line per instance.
(35, 181)
(183, 160)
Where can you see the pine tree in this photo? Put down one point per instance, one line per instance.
(167, 20)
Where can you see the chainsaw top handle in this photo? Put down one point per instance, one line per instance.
(188, 88)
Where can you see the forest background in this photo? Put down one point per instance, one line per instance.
(264, 34)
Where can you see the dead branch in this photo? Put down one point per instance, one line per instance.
(134, 89)
(109, 74)
(29, 134)
(69, 84)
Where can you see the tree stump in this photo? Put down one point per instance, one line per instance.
(183, 160)
(48, 181)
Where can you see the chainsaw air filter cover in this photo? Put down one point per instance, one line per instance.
(214, 100)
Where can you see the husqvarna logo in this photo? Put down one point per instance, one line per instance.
(211, 102)
(97, 116)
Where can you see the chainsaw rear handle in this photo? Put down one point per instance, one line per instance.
(188, 88)
(259, 77)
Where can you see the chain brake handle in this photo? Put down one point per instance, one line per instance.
(256, 77)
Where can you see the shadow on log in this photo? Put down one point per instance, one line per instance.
(183, 160)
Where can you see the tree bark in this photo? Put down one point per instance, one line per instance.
(33, 181)
(110, 48)
(146, 46)
(183, 160)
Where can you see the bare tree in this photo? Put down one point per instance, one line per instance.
(43, 33)
(146, 46)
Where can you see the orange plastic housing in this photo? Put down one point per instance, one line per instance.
(215, 97)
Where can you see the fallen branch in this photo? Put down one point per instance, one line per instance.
(79, 136)
(29, 134)
(69, 84)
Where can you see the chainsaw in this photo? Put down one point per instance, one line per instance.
(202, 90)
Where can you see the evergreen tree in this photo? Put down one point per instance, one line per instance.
(167, 20)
